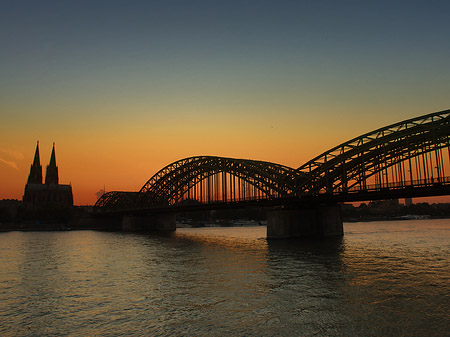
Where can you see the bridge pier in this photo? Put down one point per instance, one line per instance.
(317, 221)
(150, 222)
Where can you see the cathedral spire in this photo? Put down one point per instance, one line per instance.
(35, 176)
(52, 170)
(37, 160)
(53, 158)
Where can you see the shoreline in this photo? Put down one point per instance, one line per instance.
(74, 226)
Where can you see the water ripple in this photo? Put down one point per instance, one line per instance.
(385, 278)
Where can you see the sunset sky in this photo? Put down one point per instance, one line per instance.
(124, 88)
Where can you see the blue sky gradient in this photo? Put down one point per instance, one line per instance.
(273, 80)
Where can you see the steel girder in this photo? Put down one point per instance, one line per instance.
(343, 168)
(169, 184)
(116, 200)
(350, 164)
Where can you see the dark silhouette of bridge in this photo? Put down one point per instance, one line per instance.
(406, 159)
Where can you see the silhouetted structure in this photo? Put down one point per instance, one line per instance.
(407, 159)
(48, 195)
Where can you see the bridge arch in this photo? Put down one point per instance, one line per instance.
(205, 179)
(397, 155)
(210, 178)
(116, 201)
(402, 155)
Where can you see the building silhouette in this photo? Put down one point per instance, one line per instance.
(49, 195)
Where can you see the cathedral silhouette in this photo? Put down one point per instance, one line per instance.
(48, 195)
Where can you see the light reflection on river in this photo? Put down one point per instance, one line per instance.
(380, 279)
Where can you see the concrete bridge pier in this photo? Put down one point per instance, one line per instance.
(317, 221)
(149, 222)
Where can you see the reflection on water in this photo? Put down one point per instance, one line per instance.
(385, 278)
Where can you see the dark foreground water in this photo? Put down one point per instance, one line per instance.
(380, 279)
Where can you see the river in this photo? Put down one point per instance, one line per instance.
(381, 279)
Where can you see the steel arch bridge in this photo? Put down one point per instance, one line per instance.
(206, 179)
(412, 155)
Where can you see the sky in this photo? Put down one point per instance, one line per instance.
(125, 88)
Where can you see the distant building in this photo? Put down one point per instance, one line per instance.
(48, 195)
(9, 209)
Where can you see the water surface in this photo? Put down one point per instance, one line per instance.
(380, 279)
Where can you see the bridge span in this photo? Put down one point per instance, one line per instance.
(406, 159)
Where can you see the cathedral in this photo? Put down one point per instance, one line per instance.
(48, 195)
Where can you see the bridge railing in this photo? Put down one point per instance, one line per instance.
(401, 185)
(418, 183)
(355, 190)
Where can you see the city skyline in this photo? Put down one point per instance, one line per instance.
(126, 89)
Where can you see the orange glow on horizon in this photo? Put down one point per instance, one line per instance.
(123, 155)
(147, 84)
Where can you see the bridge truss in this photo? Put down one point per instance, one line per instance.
(414, 152)
(410, 154)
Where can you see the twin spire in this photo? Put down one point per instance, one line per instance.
(35, 176)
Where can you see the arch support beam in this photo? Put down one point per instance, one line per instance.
(316, 221)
